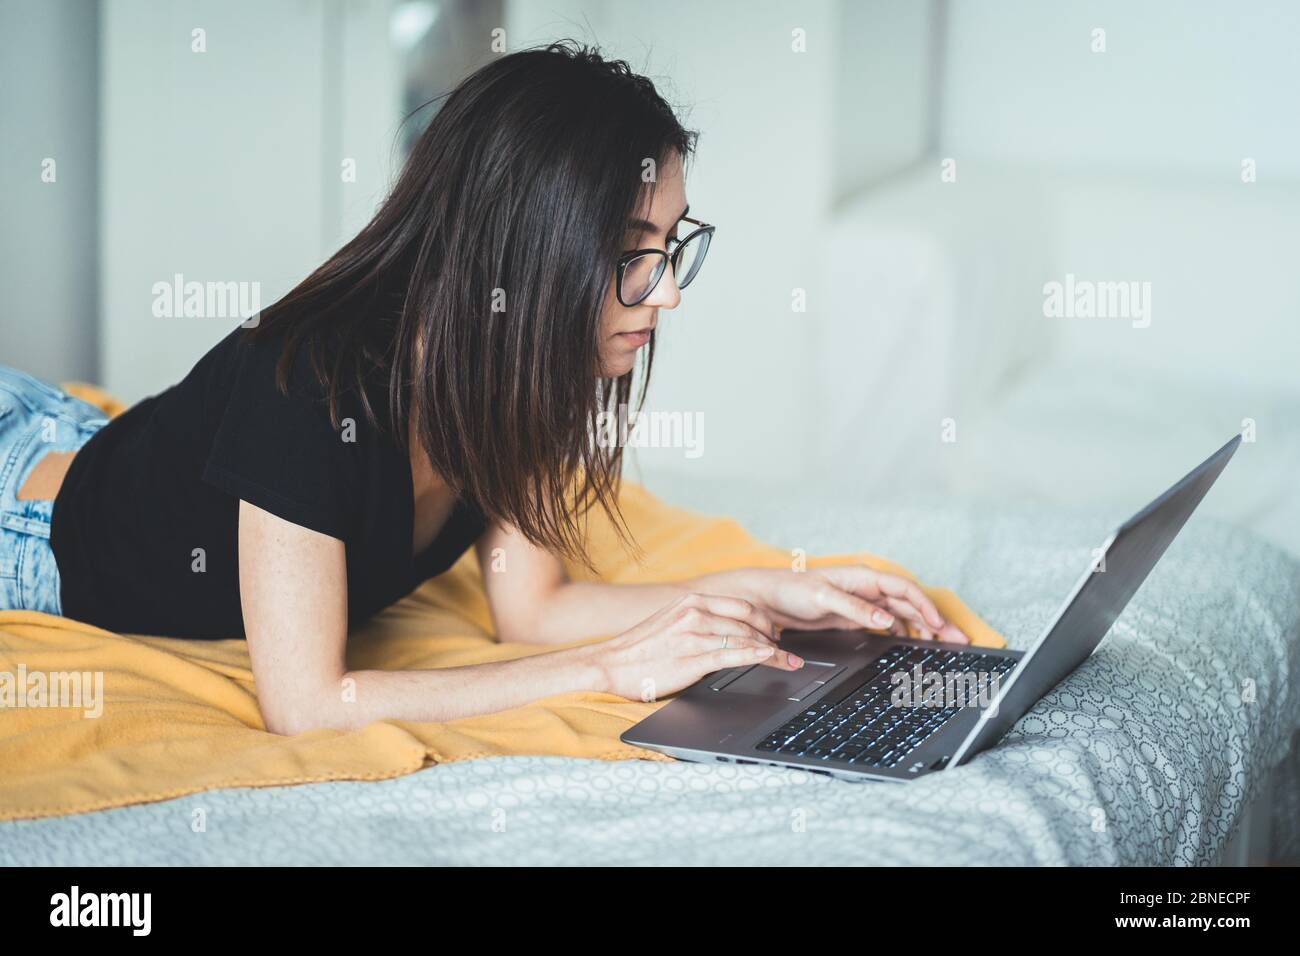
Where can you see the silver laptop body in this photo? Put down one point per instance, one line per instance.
(845, 713)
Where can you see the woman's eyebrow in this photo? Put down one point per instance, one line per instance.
(645, 225)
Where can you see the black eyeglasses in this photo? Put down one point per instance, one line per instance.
(640, 270)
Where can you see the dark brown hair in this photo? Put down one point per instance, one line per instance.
(521, 186)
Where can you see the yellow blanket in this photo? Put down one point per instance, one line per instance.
(180, 717)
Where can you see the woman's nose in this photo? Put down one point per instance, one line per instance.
(666, 295)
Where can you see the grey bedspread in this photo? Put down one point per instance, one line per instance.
(1147, 754)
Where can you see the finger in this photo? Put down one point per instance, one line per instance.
(907, 611)
(951, 632)
(740, 610)
(895, 587)
(784, 660)
(722, 658)
(738, 634)
(855, 608)
(879, 586)
(918, 631)
(710, 627)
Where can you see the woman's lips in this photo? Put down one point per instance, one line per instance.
(636, 339)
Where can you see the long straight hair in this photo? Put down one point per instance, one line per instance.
(478, 287)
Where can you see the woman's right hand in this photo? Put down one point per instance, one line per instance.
(680, 643)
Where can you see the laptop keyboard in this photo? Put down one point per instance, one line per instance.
(857, 724)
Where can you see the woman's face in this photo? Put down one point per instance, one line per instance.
(624, 330)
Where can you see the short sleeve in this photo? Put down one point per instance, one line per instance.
(280, 452)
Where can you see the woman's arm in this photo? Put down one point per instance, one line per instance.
(532, 600)
(293, 587)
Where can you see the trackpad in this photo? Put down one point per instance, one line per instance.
(769, 682)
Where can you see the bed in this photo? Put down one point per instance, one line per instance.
(1172, 745)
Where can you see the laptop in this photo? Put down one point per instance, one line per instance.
(868, 706)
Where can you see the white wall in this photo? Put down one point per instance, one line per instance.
(1183, 86)
(734, 350)
(1220, 258)
(885, 79)
(48, 75)
(241, 182)
(225, 165)
(1141, 147)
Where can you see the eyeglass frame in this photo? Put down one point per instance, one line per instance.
(627, 258)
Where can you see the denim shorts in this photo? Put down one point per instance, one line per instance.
(35, 418)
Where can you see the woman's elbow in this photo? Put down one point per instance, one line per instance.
(520, 629)
(290, 721)
(286, 725)
(515, 635)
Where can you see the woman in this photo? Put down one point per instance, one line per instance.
(429, 388)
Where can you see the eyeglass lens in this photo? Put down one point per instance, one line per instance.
(643, 273)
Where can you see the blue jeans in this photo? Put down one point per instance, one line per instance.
(35, 418)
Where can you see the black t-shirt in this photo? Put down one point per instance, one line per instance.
(145, 526)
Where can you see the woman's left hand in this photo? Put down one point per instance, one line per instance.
(838, 596)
